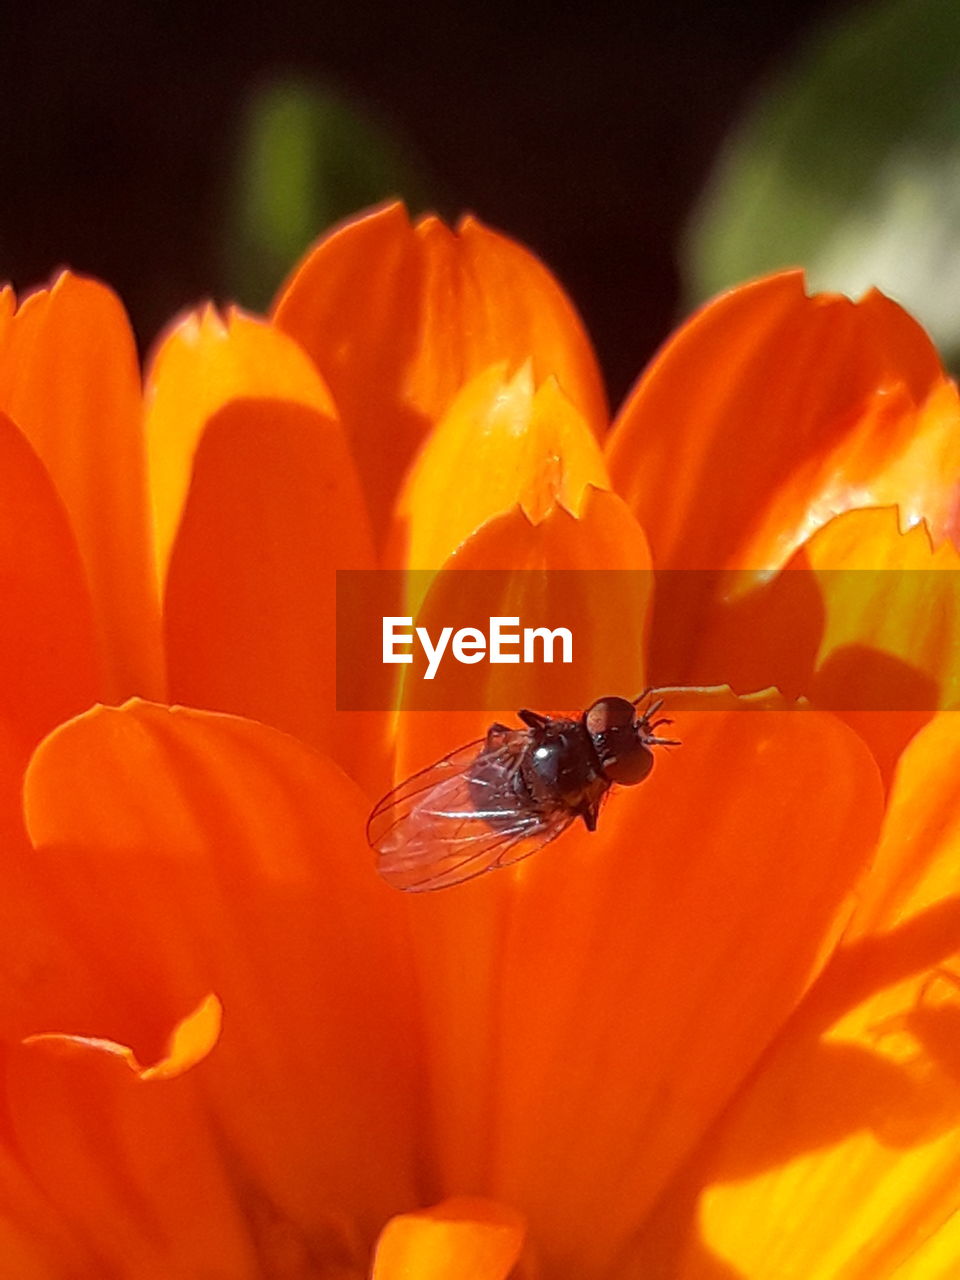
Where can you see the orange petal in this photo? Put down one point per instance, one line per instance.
(47, 648)
(184, 853)
(191, 1041)
(845, 1151)
(8, 306)
(890, 649)
(69, 379)
(201, 364)
(133, 1171)
(769, 412)
(935, 1258)
(398, 317)
(865, 620)
(915, 867)
(896, 453)
(891, 593)
(590, 574)
(273, 511)
(617, 988)
(34, 1241)
(500, 445)
(922, 480)
(466, 1237)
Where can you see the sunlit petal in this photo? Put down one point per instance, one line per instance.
(771, 411)
(857, 1108)
(203, 363)
(510, 445)
(864, 620)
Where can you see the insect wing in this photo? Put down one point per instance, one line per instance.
(433, 830)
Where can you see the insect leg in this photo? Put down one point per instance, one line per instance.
(589, 812)
(497, 735)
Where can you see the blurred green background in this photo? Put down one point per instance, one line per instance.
(848, 163)
(650, 156)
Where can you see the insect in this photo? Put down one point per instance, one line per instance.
(503, 797)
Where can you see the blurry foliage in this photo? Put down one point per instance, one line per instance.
(307, 158)
(849, 165)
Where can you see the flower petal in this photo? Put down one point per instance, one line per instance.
(935, 1258)
(891, 593)
(466, 1237)
(771, 411)
(592, 572)
(591, 1012)
(191, 1041)
(250, 609)
(201, 364)
(897, 453)
(864, 620)
(915, 866)
(47, 648)
(132, 1170)
(185, 853)
(70, 381)
(500, 445)
(890, 649)
(435, 309)
(844, 1152)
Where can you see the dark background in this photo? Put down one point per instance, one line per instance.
(584, 133)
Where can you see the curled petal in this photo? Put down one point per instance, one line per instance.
(132, 1171)
(184, 852)
(190, 1041)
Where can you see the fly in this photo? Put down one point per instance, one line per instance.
(503, 797)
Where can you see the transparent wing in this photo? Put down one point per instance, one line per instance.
(459, 818)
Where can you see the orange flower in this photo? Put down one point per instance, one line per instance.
(716, 1036)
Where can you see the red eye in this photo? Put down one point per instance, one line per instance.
(609, 714)
(618, 740)
(631, 763)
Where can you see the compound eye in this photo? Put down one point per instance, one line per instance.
(608, 714)
(631, 763)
